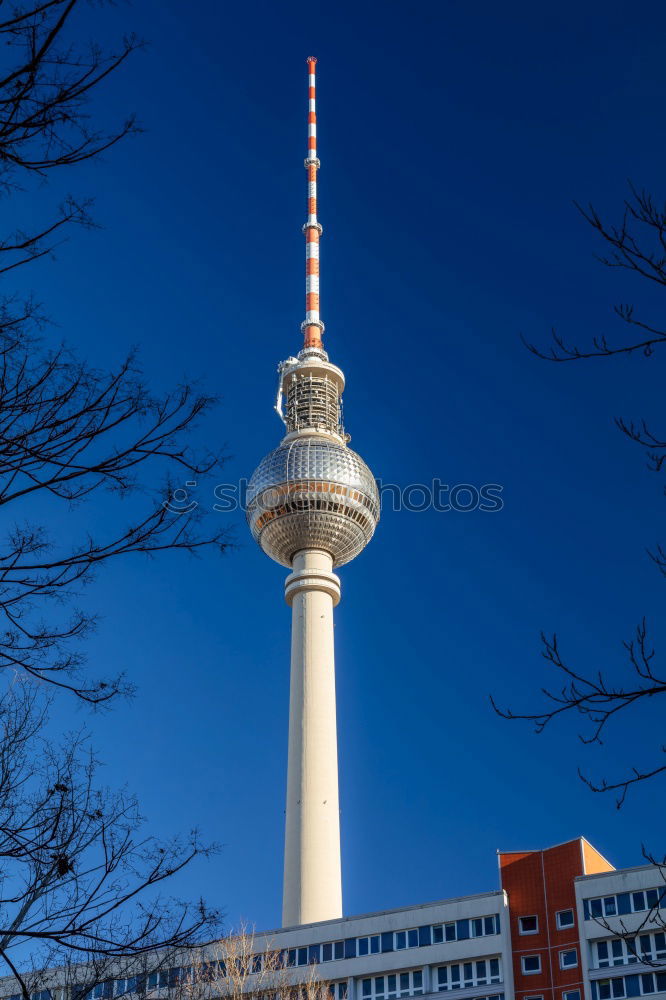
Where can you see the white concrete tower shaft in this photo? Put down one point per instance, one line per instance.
(312, 505)
(312, 871)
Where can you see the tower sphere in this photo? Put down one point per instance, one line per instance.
(312, 493)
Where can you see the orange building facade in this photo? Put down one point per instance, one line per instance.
(547, 964)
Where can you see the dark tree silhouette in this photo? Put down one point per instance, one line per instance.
(638, 245)
(68, 431)
(80, 884)
(81, 888)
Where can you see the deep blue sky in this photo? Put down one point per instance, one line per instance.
(453, 138)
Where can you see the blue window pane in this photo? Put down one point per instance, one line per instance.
(497, 923)
(631, 985)
(350, 947)
(442, 976)
(450, 932)
(467, 972)
(595, 907)
(366, 988)
(363, 946)
(616, 947)
(604, 990)
(617, 987)
(462, 930)
(291, 957)
(455, 975)
(662, 899)
(418, 979)
(494, 967)
(610, 908)
(652, 898)
(374, 944)
(390, 985)
(404, 981)
(647, 982)
(400, 940)
(379, 985)
(425, 935)
(313, 954)
(638, 900)
(489, 925)
(387, 941)
(338, 949)
(602, 949)
(412, 938)
(437, 935)
(477, 928)
(661, 982)
(624, 903)
(327, 952)
(302, 956)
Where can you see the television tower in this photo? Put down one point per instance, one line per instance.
(312, 505)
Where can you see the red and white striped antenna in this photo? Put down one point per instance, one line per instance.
(312, 326)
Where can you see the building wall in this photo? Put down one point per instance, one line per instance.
(622, 919)
(543, 917)
(471, 948)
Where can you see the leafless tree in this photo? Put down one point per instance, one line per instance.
(68, 431)
(637, 245)
(79, 883)
(245, 966)
(644, 934)
(81, 886)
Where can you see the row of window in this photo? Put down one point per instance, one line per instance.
(401, 984)
(629, 986)
(628, 951)
(530, 924)
(483, 972)
(531, 964)
(376, 944)
(625, 902)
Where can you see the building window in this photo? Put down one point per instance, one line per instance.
(458, 975)
(402, 984)
(625, 902)
(571, 995)
(564, 919)
(530, 964)
(528, 925)
(535, 997)
(569, 959)
(338, 991)
(629, 950)
(459, 930)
